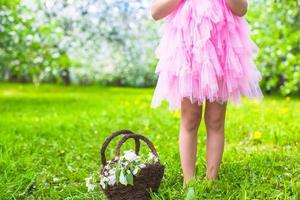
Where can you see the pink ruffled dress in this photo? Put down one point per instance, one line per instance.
(205, 53)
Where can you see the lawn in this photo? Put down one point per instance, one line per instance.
(50, 137)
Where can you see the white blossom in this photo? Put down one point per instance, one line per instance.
(89, 185)
(128, 164)
(135, 171)
(106, 179)
(130, 156)
(112, 171)
(112, 179)
(142, 165)
(102, 183)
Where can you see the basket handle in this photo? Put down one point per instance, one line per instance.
(111, 137)
(136, 137)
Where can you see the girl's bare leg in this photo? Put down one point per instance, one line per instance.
(214, 120)
(189, 124)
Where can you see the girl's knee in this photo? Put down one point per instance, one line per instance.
(214, 122)
(190, 122)
(190, 116)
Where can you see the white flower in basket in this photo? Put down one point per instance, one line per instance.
(125, 168)
(130, 156)
(129, 171)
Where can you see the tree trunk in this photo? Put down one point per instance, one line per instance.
(65, 75)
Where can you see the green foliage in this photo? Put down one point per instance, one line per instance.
(276, 30)
(115, 51)
(28, 52)
(51, 137)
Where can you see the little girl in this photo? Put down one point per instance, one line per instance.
(205, 55)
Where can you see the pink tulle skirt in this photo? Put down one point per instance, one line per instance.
(205, 53)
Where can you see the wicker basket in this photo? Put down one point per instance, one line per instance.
(147, 180)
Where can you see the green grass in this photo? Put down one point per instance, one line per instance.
(50, 138)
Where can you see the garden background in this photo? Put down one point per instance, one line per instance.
(72, 72)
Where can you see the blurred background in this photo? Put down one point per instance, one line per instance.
(67, 68)
(112, 42)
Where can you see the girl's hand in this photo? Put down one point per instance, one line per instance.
(238, 7)
(162, 8)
